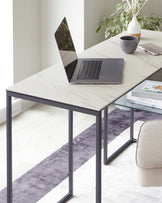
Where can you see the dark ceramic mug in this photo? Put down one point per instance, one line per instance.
(129, 43)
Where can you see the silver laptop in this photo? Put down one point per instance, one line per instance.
(86, 70)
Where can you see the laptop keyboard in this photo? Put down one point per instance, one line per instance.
(90, 70)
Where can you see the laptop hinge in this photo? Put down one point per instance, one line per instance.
(70, 68)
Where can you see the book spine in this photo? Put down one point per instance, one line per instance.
(145, 104)
(147, 95)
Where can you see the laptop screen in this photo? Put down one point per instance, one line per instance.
(66, 48)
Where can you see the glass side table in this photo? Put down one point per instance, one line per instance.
(123, 102)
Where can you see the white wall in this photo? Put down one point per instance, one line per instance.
(52, 13)
(26, 36)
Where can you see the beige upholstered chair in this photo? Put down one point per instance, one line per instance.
(149, 154)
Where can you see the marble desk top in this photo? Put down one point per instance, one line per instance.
(52, 83)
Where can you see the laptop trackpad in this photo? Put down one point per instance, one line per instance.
(111, 70)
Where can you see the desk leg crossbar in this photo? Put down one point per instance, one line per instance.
(131, 140)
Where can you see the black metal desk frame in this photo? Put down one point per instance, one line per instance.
(70, 108)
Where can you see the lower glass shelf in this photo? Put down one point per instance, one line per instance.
(122, 101)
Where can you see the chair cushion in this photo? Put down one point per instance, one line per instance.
(149, 145)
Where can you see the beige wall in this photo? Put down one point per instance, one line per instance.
(52, 13)
(26, 36)
(83, 16)
(35, 22)
(153, 7)
(95, 10)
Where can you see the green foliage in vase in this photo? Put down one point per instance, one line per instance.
(118, 21)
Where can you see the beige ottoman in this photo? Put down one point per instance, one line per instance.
(149, 154)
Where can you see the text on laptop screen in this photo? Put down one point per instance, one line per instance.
(66, 47)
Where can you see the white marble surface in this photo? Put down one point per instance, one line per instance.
(52, 83)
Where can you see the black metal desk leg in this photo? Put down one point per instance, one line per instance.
(105, 135)
(132, 125)
(71, 152)
(131, 140)
(9, 147)
(70, 160)
(98, 158)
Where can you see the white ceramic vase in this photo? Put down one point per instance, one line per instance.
(134, 27)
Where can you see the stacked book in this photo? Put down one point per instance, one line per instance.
(148, 93)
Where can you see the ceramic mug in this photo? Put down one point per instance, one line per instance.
(129, 43)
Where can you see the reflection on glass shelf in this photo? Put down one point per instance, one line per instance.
(155, 103)
(122, 101)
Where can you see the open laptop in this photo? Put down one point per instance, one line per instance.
(86, 70)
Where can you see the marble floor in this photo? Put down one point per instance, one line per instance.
(37, 133)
